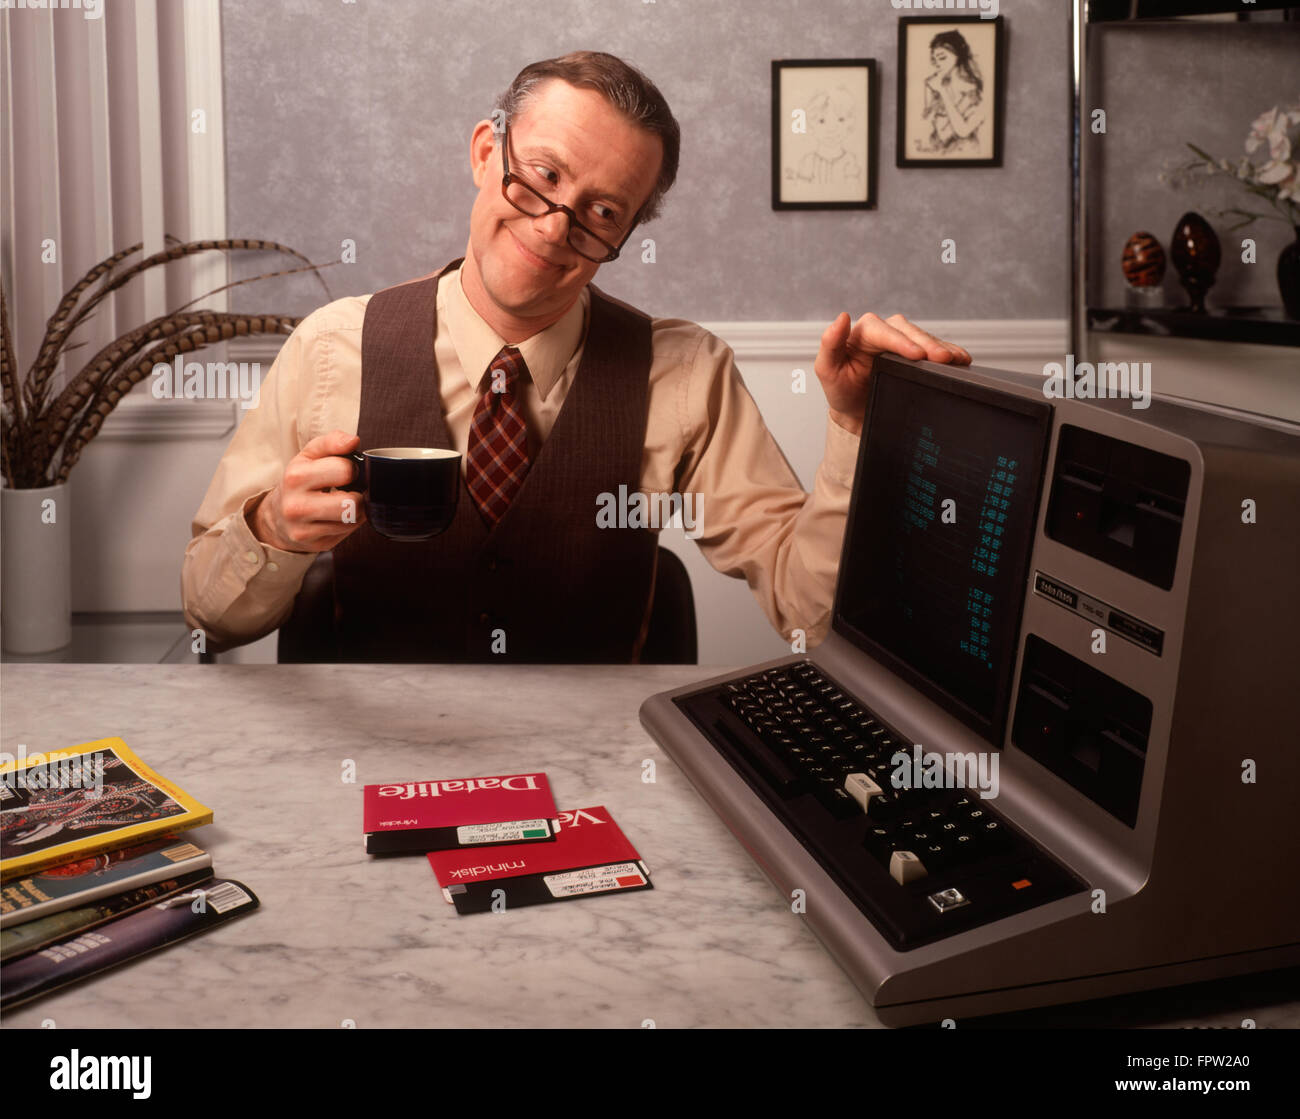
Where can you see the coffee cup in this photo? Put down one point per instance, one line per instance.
(410, 492)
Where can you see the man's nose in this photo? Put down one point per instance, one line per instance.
(553, 227)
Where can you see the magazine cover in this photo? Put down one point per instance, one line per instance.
(124, 939)
(81, 881)
(590, 855)
(95, 797)
(67, 923)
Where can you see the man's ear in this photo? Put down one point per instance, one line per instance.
(481, 145)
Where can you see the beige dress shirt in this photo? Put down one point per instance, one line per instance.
(704, 436)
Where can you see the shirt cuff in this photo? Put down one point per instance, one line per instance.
(246, 564)
(840, 461)
(269, 564)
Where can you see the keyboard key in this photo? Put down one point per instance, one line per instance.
(765, 760)
(938, 857)
(905, 867)
(838, 802)
(963, 846)
(884, 807)
(862, 788)
(995, 837)
(946, 900)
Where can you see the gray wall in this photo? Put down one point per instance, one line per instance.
(353, 120)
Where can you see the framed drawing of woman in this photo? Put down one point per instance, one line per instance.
(950, 92)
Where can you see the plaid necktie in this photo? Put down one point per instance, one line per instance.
(497, 457)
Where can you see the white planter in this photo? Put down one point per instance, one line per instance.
(35, 569)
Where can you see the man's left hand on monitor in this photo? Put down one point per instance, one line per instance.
(849, 348)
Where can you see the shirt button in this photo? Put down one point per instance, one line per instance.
(251, 557)
(272, 566)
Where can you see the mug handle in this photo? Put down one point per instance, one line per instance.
(358, 483)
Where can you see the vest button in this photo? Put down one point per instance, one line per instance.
(485, 618)
(492, 564)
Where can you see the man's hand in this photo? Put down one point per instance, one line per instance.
(298, 516)
(849, 348)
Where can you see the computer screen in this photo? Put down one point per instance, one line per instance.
(932, 575)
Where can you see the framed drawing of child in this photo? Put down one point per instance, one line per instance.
(824, 134)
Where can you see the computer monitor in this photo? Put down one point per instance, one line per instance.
(937, 545)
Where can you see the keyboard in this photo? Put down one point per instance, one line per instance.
(921, 864)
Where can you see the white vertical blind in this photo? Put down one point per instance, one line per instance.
(206, 178)
(148, 102)
(97, 153)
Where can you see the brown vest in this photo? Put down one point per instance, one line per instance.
(545, 581)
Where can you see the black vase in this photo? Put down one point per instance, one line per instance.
(1194, 249)
(1288, 276)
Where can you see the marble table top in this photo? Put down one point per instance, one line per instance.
(342, 936)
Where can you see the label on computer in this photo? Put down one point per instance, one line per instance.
(1100, 613)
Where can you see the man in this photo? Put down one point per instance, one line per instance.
(482, 357)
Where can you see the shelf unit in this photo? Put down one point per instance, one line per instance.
(1265, 326)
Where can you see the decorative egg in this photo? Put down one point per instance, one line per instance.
(1194, 250)
(1144, 261)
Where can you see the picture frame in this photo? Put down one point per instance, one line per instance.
(951, 91)
(824, 134)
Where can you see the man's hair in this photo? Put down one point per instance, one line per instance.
(624, 87)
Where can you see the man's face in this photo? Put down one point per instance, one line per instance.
(580, 151)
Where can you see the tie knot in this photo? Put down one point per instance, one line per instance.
(506, 369)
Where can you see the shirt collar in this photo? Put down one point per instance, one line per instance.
(546, 352)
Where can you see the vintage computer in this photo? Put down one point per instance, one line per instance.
(1086, 608)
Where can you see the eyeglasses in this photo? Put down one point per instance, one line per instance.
(527, 199)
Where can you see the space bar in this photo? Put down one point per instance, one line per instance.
(772, 768)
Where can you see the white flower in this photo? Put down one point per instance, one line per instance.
(1275, 172)
(1263, 124)
(1289, 186)
(1279, 173)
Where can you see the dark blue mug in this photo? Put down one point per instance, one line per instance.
(410, 492)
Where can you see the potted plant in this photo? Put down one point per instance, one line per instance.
(44, 432)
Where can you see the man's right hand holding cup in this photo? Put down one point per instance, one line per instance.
(304, 513)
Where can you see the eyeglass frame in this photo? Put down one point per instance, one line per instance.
(557, 207)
